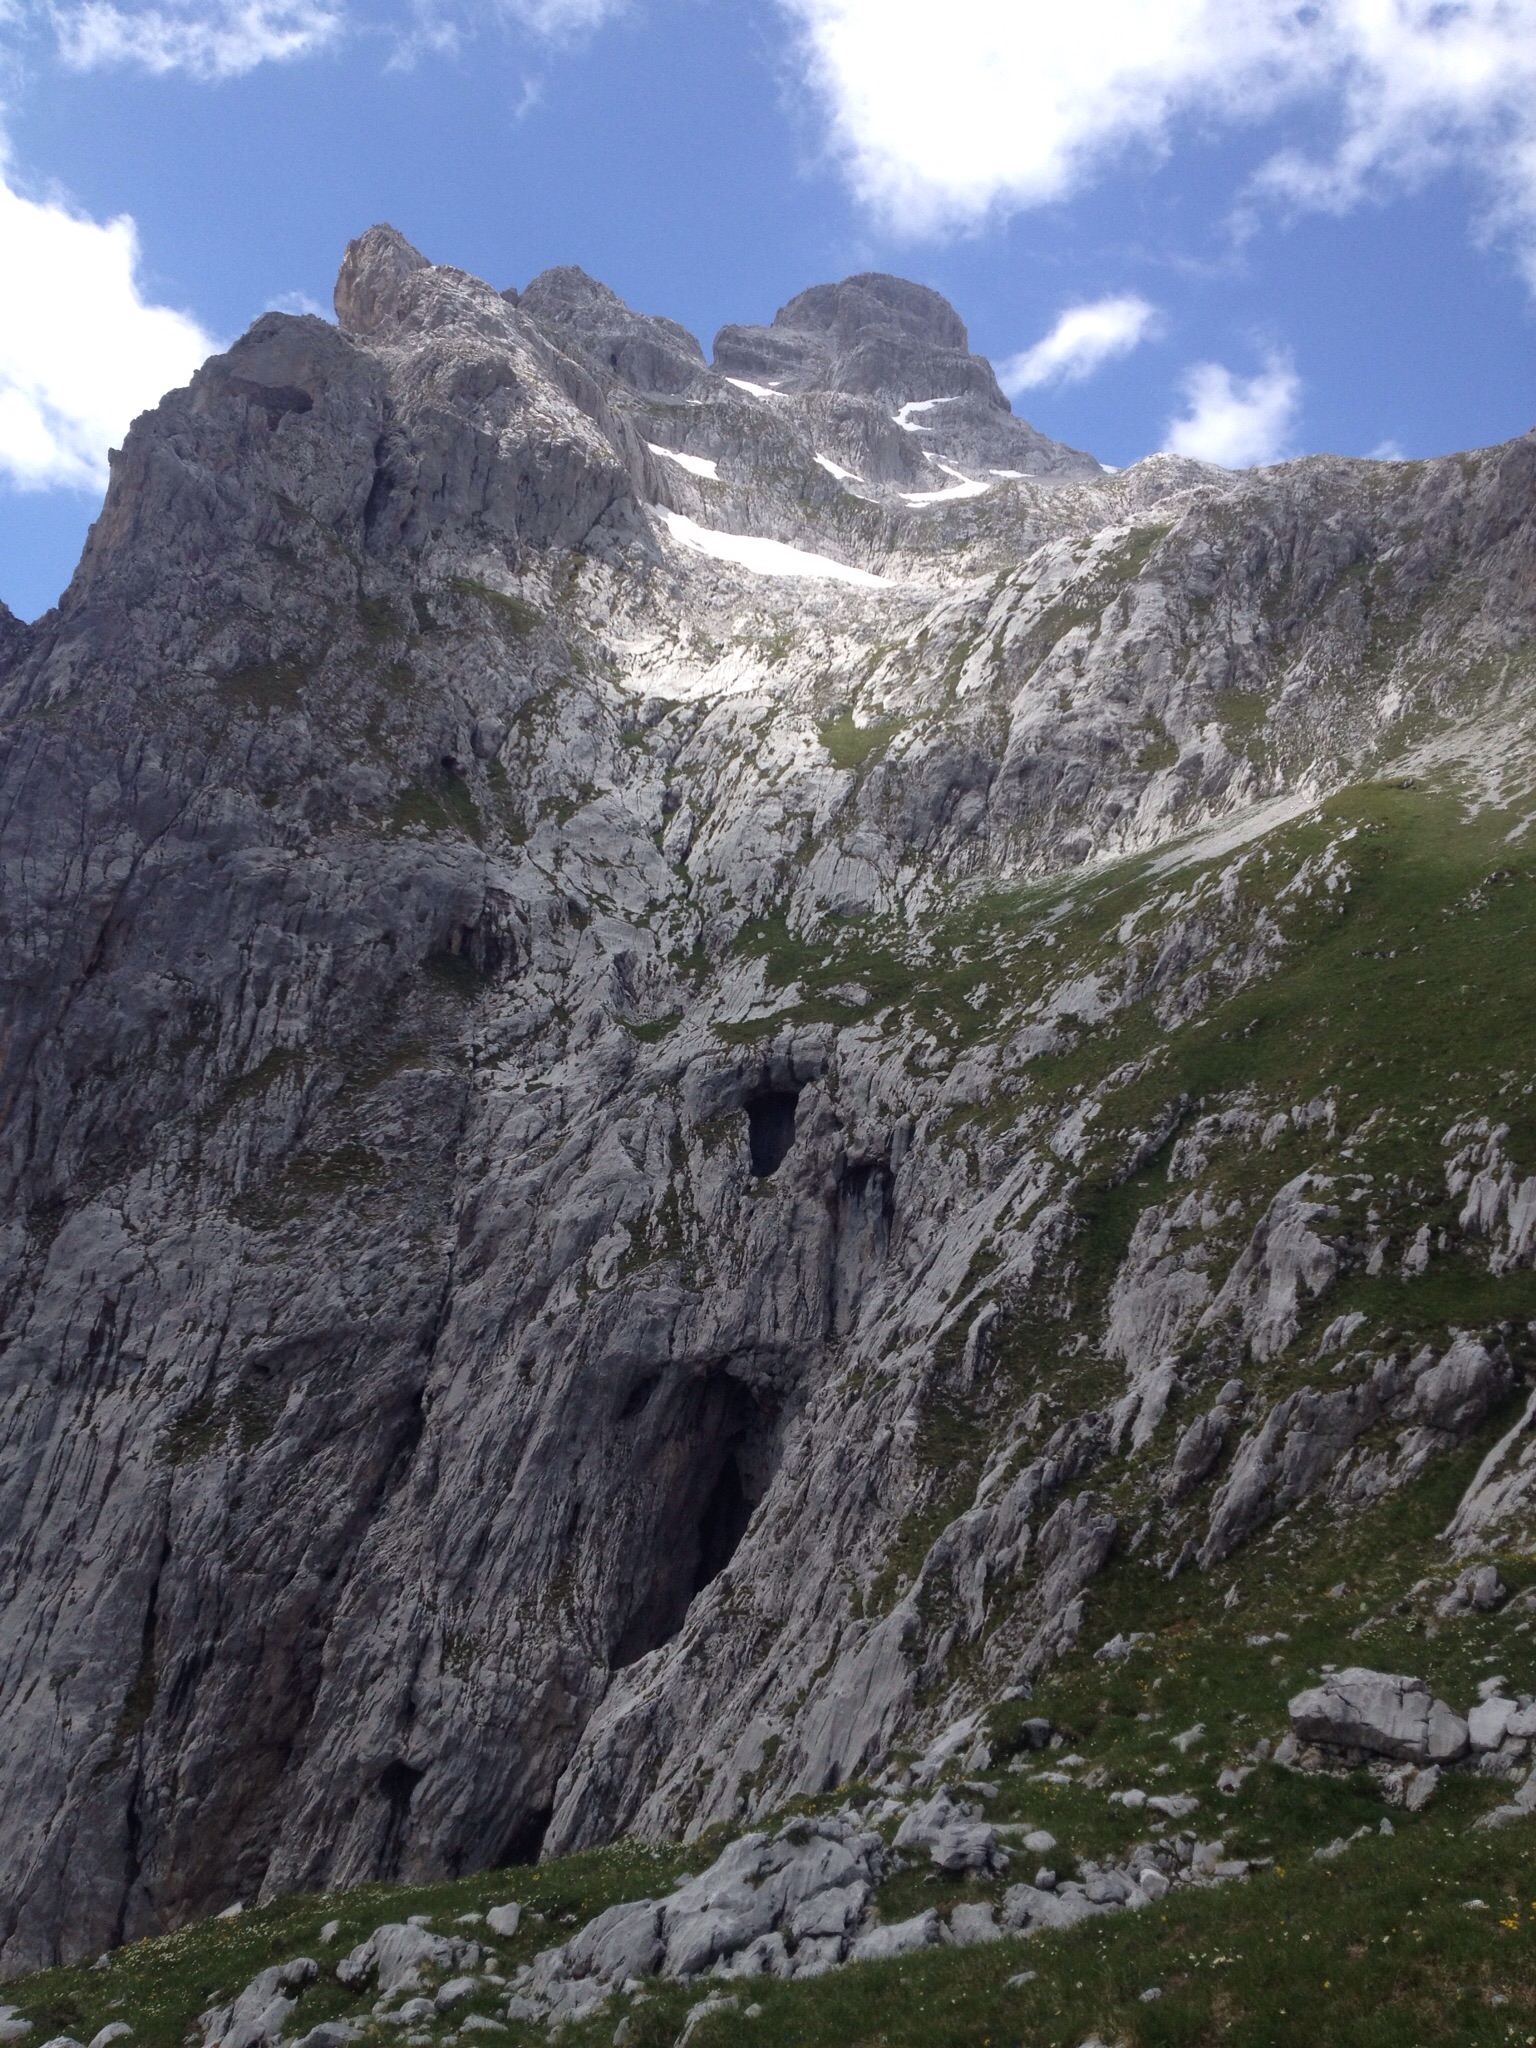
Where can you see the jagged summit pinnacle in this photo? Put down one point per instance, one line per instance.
(584, 317)
(889, 389)
(372, 271)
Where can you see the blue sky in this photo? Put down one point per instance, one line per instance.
(1294, 228)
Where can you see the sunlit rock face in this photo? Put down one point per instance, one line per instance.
(565, 1065)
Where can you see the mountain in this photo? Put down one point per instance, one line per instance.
(708, 1064)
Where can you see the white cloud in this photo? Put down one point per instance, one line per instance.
(945, 114)
(1082, 339)
(81, 352)
(557, 18)
(296, 302)
(221, 40)
(1236, 421)
(214, 39)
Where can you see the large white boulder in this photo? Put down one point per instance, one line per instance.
(1380, 1713)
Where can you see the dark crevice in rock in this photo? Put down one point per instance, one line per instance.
(397, 1784)
(272, 399)
(526, 1841)
(771, 1129)
(136, 1710)
(639, 1394)
(379, 491)
(716, 1451)
(722, 1524)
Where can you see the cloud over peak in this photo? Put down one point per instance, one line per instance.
(81, 350)
(1084, 338)
(943, 117)
(1237, 422)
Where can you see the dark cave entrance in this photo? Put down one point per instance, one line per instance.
(722, 1525)
(397, 1782)
(716, 1449)
(771, 1129)
(526, 1841)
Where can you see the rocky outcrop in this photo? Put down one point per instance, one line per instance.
(1497, 1203)
(1309, 1437)
(1379, 1715)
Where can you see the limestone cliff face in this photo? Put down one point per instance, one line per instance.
(495, 1023)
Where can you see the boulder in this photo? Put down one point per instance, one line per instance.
(903, 1938)
(1027, 1908)
(1478, 1590)
(1410, 1787)
(815, 1957)
(1488, 1723)
(623, 1942)
(1173, 1805)
(261, 2011)
(972, 1924)
(695, 1940)
(398, 1951)
(416, 2012)
(705, 2010)
(953, 1840)
(504, 1920)
(766, 1957)
(831, 1912)
(1380, 1714)
(1521, 1807)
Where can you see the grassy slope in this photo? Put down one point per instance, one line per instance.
(1412, 996)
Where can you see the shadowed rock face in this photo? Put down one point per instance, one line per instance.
(500, 1150)
(652, 355)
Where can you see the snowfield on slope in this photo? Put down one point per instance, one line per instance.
(766, 557)
(696, 465)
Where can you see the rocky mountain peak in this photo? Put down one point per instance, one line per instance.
(871, 303)
(12, 633)
(588, 320)
(374, 268)
(870, 335)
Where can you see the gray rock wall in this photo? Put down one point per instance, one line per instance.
(437, 1415)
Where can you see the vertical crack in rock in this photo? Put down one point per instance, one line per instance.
(710, 1456)
(771, 1129)
(397, 1786)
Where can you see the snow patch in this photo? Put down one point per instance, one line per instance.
(754, 390)
(903, 418)
(948, 496)
(766, 557)
(844, 476)
(696, 465)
